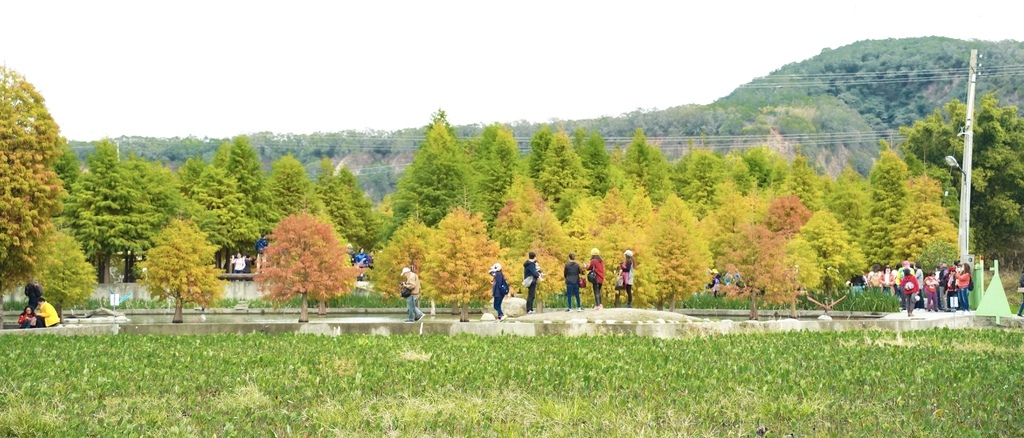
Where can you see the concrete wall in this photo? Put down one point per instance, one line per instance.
(236, 290)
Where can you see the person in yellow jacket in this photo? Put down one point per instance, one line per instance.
(47, 315)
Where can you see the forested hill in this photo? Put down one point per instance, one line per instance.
(836, 106)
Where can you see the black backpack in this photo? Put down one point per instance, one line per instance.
(1021, 281)
(970, 286)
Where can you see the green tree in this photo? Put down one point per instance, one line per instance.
(561, 181)
(179, 268)
(646, 167)
(696, 179)
(539, 144)
(850, 200)
(64, 270)
(803, 182)
(244, 165)
(766, 167)
(223, 217)
(597, 164)
(495, 162)
(346, 205)
(436, 181)
(291, 188)
(838, 255)
(925, 221)
(30, 190)
(888, 201)
(67, 166)
(189, 175)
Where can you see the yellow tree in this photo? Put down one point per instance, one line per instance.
(838, 256)
(616, 234)
(65, 272)
(460, 258)
(303, 259)
(181, 267)
(408, 247)
(582, 227)
(923, 219)
(679, 255)
(527, 225)
(734, 210)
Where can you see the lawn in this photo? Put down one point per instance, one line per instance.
(926, 383)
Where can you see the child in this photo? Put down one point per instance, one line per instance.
(27, 319)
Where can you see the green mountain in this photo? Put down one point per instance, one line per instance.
(835, 107)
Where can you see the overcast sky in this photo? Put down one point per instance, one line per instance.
(219, 68)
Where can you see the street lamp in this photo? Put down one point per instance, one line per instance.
(965, 207)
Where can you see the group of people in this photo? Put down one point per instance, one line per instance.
(38, 313)
(946, 289)
(575, 279)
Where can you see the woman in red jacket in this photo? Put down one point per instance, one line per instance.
(910, 288)
(27, 319)
(596, 276)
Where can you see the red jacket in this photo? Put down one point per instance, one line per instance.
(597, 265)
(909, 285)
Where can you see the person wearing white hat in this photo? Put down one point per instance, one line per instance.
(626, 268)
(412, 283)
(499, 288)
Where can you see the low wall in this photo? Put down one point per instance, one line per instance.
(235, 290)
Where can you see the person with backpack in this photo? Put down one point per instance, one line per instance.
(595, 275)
(951, 289)
(499, 289)
(1020, 288)
(943, 277)
(531, 275)
(627, 270)
(572, 282)
(910, 287)
(963, 284)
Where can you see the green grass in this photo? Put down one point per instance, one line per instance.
(926, 383)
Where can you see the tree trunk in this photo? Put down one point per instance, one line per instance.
(303, 312)
(753, 306)
(455, 308)
(129, 261)
(792, 310)
(464, 316)
(60, 311)
(102, 263)
(672, 304)
(322, 311)
(661, 304)
(540, 305)
(177, 313)
(2, 306)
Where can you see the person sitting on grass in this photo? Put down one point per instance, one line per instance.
(27, 319)
(47, 315)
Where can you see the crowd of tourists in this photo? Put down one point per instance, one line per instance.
(38, 313)
(947, 288)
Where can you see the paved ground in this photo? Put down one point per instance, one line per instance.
(619, 315)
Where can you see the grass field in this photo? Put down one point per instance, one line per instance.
(928, 383)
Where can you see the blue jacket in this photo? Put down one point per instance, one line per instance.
(530, 270)
(500, 287)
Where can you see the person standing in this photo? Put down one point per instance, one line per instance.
(919, 273)
(33, 292)
(963, 283)
(910, 287)
(572, 282)
(596, 276)
(412, 302)
(499, 288)
(531, 275)
(261, 248)
(857, 282)
(888, 279)
(238, 264)
(943, 277)
(931, 289)
(875, 278)
(47, 315)
(627, 270)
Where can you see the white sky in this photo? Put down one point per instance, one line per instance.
(219, 68)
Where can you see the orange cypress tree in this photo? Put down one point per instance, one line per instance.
(758, 256)
(785, 215)
(460, 258)
(305, 258)
(679, 254)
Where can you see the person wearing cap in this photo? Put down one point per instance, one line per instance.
(499, 288)
(571, 273)
(412, 282)
(596, 276)
(531, 271)
(47, 315)
(626, 270)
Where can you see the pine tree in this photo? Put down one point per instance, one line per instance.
(646, 167)
(850, 201)
(303, 260)
(495, 162)
(803, 182)
(223, 218)
(723, 224)
(436, 181)
(681, 259)
(179, 268)
(291, 188)
(766, 167)
(926, 221)
(739, 173)
(346, 205)
(189, 175)
(539, 144)
(67, 166)
(888, 202)
(597, 164)
(785, 215)
(561, 181)
(697, 177)
(461, 256)
(243, 164)
(68, 276)
(838, 255)
(30, 189)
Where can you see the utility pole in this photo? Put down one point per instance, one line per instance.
(965, 185)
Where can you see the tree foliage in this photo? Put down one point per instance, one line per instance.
(888, 201)
(646, 167)
(290, 188)
(180, 267)
(409, 247)
(458, 265)
(679, 254)
(495, 162)
(837, 255)
(63, 269)
(785, 215)
(304, 258)
(436, 181)
(347, 206)
(30, 190)
(758, 256)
